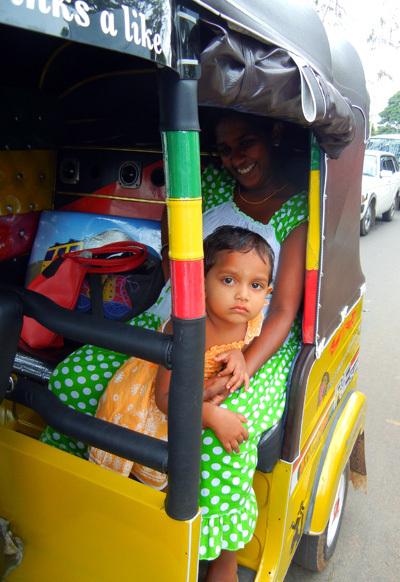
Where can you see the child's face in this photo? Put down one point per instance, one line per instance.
(237, 286)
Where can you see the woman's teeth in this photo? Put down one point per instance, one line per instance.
(246, 170)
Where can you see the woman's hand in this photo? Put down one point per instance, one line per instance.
(228, 426)
(215, 390)
(235, 367)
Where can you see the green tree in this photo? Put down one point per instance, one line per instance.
(390, 116)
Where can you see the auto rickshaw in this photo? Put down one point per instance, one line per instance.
(87, 87)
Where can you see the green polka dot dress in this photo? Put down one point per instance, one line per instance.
(227, 499)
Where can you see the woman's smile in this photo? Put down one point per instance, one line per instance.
(246, 170)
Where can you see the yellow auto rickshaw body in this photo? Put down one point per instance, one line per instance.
(60, 516)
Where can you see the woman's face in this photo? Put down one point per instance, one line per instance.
(244, 152)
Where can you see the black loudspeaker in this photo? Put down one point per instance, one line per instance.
(130, 174)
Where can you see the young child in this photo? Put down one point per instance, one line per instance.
(238, 270)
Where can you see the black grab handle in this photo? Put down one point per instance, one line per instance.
(85, 328)
(11, 311)
(104, 435)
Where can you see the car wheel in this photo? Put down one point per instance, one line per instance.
(368, 220)
(389, 214)
(314, 552)
(397, 201)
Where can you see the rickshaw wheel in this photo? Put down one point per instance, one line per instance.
(314, 552)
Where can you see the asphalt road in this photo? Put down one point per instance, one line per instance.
(368, 548)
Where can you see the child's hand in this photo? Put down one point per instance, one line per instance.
(235, 366)
(228, 427)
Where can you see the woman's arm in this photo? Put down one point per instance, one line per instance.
(285, 302)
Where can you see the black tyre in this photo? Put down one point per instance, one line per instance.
(368, 220)
(397, 201)
(389, 214)
(314, 552)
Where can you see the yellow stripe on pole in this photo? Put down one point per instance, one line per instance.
(185, 225)
(314, 225)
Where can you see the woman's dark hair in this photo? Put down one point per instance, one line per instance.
(235, 238)
(211, 118)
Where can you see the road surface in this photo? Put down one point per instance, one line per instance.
(368, 548)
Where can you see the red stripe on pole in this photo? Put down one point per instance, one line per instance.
(188, 298)
(310, 306)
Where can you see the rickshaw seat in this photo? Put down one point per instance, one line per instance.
(269, 447)
(271, 441)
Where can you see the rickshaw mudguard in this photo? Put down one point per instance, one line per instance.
(346, 426)
(78, 521)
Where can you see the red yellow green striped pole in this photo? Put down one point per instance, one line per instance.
(185, 223)
(313, 246)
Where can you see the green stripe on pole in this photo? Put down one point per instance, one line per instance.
(315, 154)
(182, 158)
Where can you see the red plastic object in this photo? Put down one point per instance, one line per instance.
(17, 233)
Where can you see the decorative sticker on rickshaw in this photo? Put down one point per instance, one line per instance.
(342, 331)
(347, 377)
(311, 445)
(315, 438)
(297, 527)
(323, 387)
(134, 27)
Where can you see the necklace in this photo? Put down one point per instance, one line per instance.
(270, 195)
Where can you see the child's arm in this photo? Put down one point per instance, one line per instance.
(162, 380)
(227, 425)
(162, 389)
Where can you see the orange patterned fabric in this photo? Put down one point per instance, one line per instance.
(129, 401)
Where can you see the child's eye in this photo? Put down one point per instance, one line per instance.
(228, 280)
(257, 285)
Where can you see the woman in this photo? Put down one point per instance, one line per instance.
(251, 191)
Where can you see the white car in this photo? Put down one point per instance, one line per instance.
(380, 193)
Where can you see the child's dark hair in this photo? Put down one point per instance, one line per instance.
(235, 238)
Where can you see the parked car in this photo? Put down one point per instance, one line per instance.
(380, 193)
(386, 142)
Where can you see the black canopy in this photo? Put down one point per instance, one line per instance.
(282, 64)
